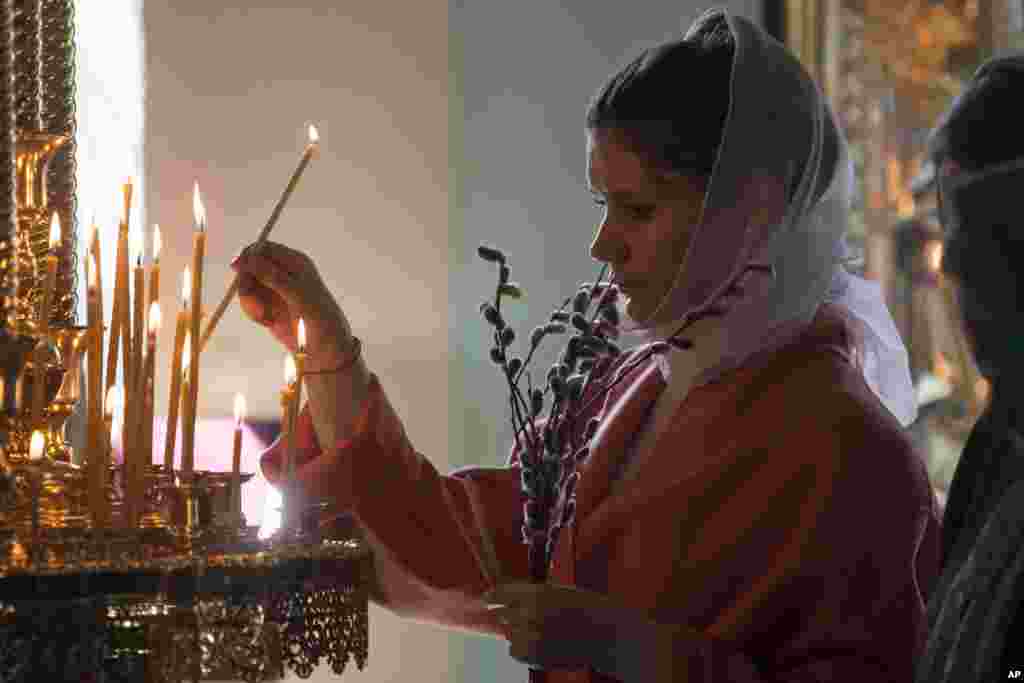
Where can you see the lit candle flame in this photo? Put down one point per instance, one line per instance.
(198, 210)
(154, 318)
(186, 355)
(38, 445)
(302, 335)
(138, 245)
(933, 254)
(55, 231)
(113, 399)
(239, 410)
(93, 275)
(314, 135)
(157, 243)
(289, 369)
(186, 287)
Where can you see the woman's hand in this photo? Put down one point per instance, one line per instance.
(279, 285)
(563, 627)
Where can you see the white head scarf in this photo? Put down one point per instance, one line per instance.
(775, 113)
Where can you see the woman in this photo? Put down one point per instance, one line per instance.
(748, 510)
(976, 632)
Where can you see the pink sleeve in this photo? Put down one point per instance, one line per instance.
(439, 542)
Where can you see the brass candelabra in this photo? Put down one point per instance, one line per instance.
(110, 572)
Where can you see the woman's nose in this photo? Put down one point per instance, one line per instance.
(608, 246)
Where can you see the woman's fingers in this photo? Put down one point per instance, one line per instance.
(278, 286)
(269, 273)
(286, 257)
(256, 300)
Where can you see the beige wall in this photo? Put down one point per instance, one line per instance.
(110, 132)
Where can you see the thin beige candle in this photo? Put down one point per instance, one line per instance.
(300, 365)
(236, 459)
(141, 455)
(94, 249)
(138, 315)
(49, 286)
(187, 409)
(288, 423)
(154, 268)
(116, 313)
(111, 404)
(198, 255)
(153, 296)
(286, 437)
(312, 147)
(109, 408)
(174, 399)
(133, 374)
(97, 273)
(126, 307)
(94, 433)
(149, 373)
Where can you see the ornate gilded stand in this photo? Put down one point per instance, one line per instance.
(190, 592)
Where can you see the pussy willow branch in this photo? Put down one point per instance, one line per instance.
(597, 311)
(562, 405)
(515, 394)
(529, 355)
(553, 414)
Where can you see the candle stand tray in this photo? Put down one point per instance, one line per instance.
(132, 605)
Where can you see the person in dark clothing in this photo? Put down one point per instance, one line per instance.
(975, 614)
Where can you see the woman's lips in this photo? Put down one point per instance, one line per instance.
(622, 284)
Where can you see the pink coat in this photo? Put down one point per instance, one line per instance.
(784, 517)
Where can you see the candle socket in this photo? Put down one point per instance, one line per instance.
(188, 527)
(54, 364)
(158, 498)
(45, 495)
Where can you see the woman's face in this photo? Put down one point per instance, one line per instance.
(648, 220)
(985, 282)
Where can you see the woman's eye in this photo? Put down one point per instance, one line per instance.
(642, 212)
(636, 212)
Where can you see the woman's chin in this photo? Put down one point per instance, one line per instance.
(636, 308)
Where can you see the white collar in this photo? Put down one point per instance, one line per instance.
(680, 368)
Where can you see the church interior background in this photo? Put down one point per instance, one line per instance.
(890, 69)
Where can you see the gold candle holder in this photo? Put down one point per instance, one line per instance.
(18, 414)
(47, 494)
(187, 523)
(72, 343)
(157, 498)
(34, 151)
(63, 501)
(61, 355)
